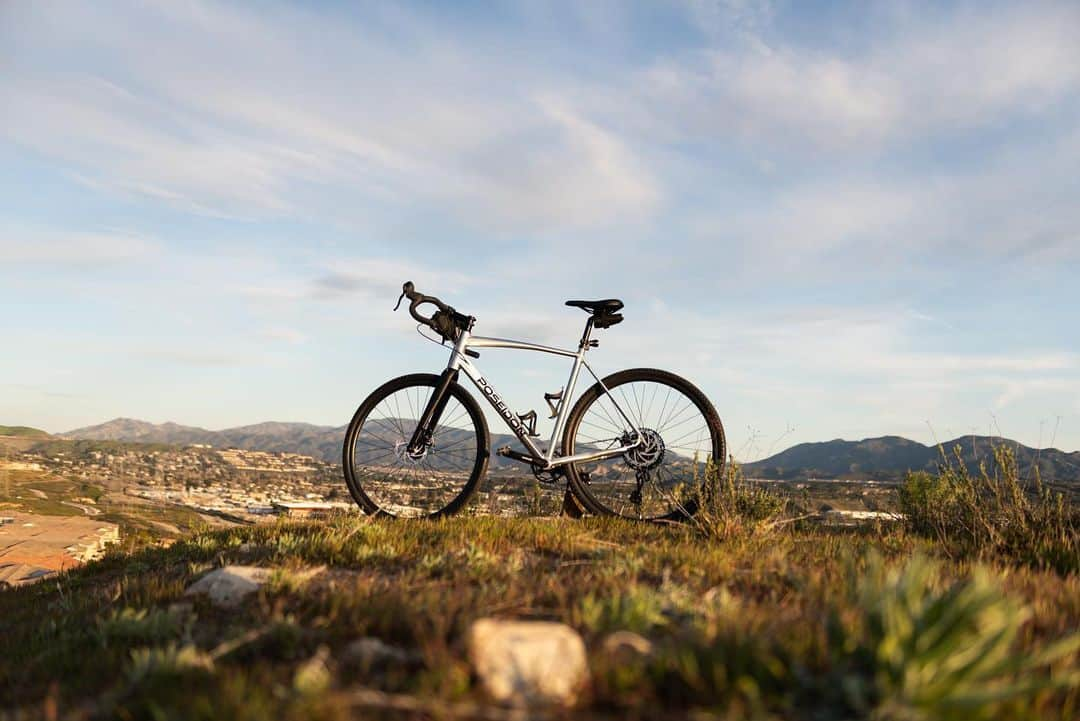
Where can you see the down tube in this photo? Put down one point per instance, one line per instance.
(504, 411)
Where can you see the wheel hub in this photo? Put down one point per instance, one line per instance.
(404, 455)
(646, 455)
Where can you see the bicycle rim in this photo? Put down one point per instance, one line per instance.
(661, 479)
(389, 480)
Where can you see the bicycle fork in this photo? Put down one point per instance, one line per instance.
(429, 421)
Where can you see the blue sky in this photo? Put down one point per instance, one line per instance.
(840, 220)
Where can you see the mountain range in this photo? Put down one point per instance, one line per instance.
(891, 457)
(884, 458)
(322, 442)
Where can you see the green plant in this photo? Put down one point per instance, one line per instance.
(168, 661)
(993, 513)
(639, 609)
(129, 625)
(906, 646)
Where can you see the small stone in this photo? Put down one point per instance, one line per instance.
(627, 646)
(371, 653)
(227, 587)
(528, 663)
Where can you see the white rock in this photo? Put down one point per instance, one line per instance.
(528, 663)
(229, 586)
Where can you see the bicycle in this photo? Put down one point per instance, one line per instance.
(419, 445)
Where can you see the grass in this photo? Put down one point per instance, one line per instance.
(766, 622)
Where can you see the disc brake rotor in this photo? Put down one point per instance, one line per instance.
(401, 450)
(648, 454)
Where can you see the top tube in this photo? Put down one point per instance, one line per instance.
(478, 341)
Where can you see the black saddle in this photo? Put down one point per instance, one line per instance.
(604, 311)
(609, 305)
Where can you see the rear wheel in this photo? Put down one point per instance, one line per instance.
(663, 477)
(386, 479)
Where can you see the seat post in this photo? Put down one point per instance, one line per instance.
(588, 331)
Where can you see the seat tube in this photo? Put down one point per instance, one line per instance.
(568, 394)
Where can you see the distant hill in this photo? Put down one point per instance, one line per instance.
(322, 442)
(22, 432)
(890, 457)
(885, 458)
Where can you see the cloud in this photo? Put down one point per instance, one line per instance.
(285, 335)
(35, 246)
(1016, 207)
(382, 278)
(195, 357)
(199, 124)
(945, 71)
(565, 171)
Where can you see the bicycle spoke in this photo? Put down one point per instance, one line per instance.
(658, 476)
(423, 481)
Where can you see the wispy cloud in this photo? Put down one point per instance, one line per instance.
(944, 70)
(41, 247)
(284, 335)
(250, 141)
(195, 357)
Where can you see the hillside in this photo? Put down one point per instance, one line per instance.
(22, 432)
(890, 457)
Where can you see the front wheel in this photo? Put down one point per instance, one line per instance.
(678, 434)
(386, 479)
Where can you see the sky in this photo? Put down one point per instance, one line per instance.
(840, 220)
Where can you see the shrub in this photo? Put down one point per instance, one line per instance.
(906, 646)
(977, 514)
(730, 505)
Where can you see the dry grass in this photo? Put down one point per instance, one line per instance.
(763, 623)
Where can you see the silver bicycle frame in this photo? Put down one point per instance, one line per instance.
(459, 361)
